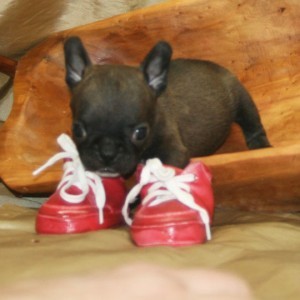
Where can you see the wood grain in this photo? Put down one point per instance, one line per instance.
(260, 180)
(258, 40)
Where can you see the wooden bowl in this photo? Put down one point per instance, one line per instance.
(259, 41)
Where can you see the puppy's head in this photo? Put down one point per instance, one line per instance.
(113, 107)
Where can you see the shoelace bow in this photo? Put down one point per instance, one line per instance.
(166, 186)
(75, 174)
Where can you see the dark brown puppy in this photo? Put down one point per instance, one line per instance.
(173, 110)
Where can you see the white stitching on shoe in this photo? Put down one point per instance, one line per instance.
(166, 186)
(75, 174)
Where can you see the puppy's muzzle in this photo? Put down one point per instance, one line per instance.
(108, 151)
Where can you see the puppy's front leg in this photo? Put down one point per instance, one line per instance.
(178, 158)
(175, 154)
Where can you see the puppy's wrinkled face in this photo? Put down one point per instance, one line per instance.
(113, 113)
(113, 107)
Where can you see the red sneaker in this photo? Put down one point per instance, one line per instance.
(176, 207)
(82, 201)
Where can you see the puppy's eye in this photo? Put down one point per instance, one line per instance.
(140, 133)
(79, 132)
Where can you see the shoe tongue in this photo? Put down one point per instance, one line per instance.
(138, 172)
(198, 169)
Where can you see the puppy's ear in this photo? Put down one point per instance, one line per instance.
(155, 66)
(76, 60)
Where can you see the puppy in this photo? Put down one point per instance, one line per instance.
(173, 110)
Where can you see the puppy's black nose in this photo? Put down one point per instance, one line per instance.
(108, 150)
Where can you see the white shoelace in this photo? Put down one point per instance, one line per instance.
(75, 174)
(166, 186)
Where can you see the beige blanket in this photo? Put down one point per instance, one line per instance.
(261, 248)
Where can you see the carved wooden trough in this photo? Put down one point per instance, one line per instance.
(258, 40)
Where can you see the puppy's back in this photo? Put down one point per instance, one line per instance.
(201, 98)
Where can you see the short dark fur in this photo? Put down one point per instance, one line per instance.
(173, 110)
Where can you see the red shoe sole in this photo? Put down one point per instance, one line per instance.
(173, 234)
(54, 225)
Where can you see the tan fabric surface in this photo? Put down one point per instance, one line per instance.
(261, 248)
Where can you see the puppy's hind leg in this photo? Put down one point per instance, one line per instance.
(248, 118)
